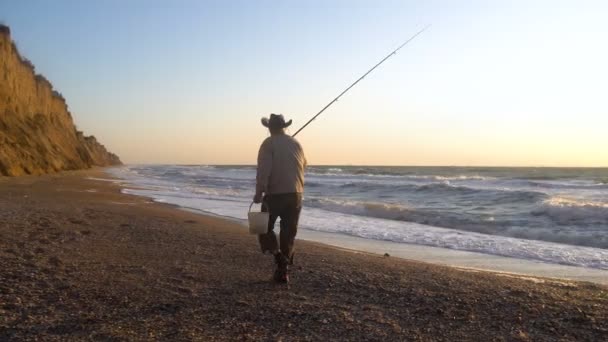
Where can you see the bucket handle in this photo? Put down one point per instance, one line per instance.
(252, 203)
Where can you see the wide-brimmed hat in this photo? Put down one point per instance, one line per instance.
(275, 121)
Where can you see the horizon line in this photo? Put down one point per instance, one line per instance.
(380, 165)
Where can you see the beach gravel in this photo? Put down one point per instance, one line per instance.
(81, 261)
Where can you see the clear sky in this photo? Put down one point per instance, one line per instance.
(516, 83)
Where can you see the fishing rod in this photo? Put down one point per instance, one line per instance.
(362, 77)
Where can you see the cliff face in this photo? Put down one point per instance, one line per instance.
(37, 132)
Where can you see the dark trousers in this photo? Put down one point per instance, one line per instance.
(287, 207)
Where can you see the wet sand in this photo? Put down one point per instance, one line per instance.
(81, 261)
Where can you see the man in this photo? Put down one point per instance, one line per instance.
(279, 185)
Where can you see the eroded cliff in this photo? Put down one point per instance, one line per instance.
(37, 132)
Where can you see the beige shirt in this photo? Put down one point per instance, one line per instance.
(281, 164)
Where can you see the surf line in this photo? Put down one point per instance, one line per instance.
(362, 77)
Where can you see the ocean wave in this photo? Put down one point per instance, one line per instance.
(567, 185)
(372, 209)
(413, 233)
(324, 171)
(188, 166)
(484, 224)
(403, 212)
(485, 195)
(356, 172)
(570, 202)
(447, 187)
(173, 173)
(449, 178)
(315, 184)
(539, 177)
(570, 211)
(374, 173)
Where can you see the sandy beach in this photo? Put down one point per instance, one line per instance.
(81, 261)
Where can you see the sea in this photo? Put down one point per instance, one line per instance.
(551, 215)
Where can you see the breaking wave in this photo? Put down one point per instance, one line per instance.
(595, 213)
(568, 211)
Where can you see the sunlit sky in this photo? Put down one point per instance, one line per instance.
(513, 83)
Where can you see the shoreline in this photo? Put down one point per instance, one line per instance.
(462, 259)
(81, 260)
(467, 260)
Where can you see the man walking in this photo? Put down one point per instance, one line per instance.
(279, 186)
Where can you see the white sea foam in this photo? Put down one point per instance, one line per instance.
(414, 233)
(485, 225)
(575, 203)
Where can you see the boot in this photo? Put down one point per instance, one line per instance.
(281, 274)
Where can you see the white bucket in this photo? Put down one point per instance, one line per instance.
(258, 221)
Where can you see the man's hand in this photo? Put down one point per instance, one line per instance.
(257, 198)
